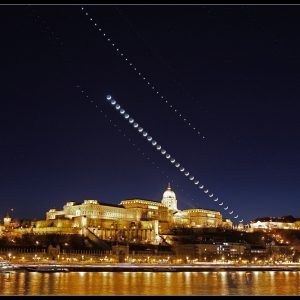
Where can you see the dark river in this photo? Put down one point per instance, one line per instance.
(144, 283)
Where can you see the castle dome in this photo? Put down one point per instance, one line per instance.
(169, 193)
(169, 199)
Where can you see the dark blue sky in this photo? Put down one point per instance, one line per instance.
(233, 70)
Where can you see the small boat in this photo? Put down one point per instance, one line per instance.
(5, 266)
(47, 269)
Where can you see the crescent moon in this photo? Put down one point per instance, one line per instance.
(206, 191)
(225, 208)
(211, 195)
(196, 182)
(241, 220)
(216, 199)
(236, 216)
(221, 204)
(231, 213)
(201, 187)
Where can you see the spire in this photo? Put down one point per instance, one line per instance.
(169, 186)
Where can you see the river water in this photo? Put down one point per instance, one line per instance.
(150, 283)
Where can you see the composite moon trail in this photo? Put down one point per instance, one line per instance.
(145, 78)
(163, 151)
(154, 143)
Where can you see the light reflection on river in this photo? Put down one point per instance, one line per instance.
(149, 283)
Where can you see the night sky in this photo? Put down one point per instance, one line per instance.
(232, 70)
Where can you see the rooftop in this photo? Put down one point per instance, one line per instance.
(284, 219)
(142, 200)
(189, 209)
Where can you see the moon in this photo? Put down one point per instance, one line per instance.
(187, 173)
(154, 143)
(177, 165)
(221, 204)
(122, 111)
(201, 186)
(241, 220)
(140, 129)
(216, 199)
(149, 138)
(231, 212)
(108, 97)
(211, 195)
(126, 116)
(192, 178)
(206, 191)
(196, 182)
(225, 208)
(118, 106)
(113, 102)
(135, 125)
(145, 133)
(131, 120)
(236, 216)
(182, 169)
(163, 151)
(158, 147)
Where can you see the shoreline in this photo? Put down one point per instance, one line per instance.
(162, 268)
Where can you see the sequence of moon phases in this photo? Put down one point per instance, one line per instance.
(158, 147)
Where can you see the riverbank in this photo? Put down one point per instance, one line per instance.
(165, 268)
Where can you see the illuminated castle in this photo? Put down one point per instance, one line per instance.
(133, 220)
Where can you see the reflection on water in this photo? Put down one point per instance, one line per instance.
(148, 283)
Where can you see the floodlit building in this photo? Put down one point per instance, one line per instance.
(136, 219)
(287, 222)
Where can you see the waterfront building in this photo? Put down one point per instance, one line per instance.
(286, 222)
(209, 251)
(133, 220)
